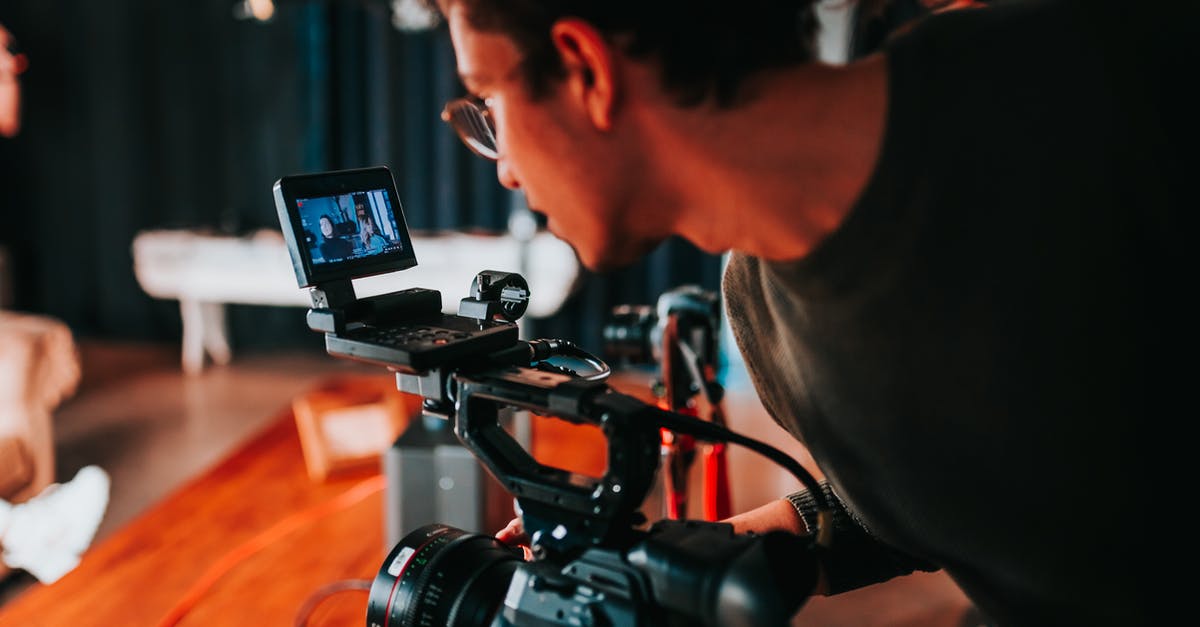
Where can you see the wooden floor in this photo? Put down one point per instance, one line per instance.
(242, 513)
(152, 428)
(161, 434)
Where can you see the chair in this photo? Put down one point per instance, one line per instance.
(39, 368)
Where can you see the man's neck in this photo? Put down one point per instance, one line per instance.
(775, 176)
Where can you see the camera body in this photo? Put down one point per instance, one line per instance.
(675, 573)
(593, 562)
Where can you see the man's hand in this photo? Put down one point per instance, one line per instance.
(514, 535)
(777, 515)
(774, 516)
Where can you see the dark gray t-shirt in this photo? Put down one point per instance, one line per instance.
(973, 355)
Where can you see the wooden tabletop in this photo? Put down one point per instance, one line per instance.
(311, 539)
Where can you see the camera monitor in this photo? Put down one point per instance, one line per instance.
(348, 224)
(343, 225)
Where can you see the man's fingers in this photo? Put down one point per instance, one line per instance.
(514, 533)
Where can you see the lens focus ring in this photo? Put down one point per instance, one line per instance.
(440, 575)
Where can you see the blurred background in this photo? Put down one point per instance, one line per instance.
(149, 115)
(174, 119)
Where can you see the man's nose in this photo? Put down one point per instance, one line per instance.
(505, 173)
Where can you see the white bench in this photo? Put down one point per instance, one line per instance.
(205, 272)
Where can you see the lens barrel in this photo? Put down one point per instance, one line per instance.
(629, 334)
(440, 575)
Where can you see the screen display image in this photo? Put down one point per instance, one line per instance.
(343, 225)
(348, 227)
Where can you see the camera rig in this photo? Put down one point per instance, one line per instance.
(593, 562)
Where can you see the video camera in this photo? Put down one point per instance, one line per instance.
(594, 562)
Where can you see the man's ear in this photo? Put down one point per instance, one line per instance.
(591, 69)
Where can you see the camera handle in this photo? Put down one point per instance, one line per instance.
(564, 511)
(496, 294)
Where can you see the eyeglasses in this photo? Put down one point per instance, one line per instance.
(472, 120)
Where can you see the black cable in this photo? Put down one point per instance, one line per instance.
(602, 368)
(324, 592)
(543, 349)
(713, 432)
(539, 350)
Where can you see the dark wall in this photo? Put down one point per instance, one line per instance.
(143, 114)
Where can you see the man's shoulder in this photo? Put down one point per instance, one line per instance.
(740, 269)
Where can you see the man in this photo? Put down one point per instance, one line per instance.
(946, 256)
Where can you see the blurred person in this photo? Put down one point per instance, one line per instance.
(47, 535)
(11, 66)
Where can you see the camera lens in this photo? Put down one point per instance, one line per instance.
(440, 575)
(629, 334)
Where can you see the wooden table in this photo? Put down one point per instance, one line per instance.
(140, 573)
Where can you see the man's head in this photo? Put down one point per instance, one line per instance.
(570, 87)
(704, 49)
(326, 226)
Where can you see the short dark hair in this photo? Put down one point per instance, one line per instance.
(706, 49)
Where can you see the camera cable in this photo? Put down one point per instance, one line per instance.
(324, 592)
(705, 430)
(542, 350)
(265, 539)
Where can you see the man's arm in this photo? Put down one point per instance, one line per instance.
(855, 559)
(774, 516)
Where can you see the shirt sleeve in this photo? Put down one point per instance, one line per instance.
(856, 558)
